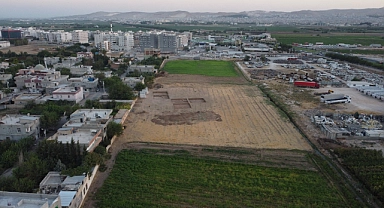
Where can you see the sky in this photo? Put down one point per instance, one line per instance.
(54, 8)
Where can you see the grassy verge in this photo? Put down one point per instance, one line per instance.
(207, 68)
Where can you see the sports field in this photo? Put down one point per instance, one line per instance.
(199, 67)
(174, 178)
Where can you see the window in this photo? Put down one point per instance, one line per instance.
(18, 130)
(68, 96)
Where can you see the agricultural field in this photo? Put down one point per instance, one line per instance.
(367, 166)
(333, 38)
(175, 178)
(360, 51)
(207, 68)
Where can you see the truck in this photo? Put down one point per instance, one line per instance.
(306, 84)
(323, 93)
(335, 98)
(370, 92)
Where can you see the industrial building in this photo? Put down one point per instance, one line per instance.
(7, 34)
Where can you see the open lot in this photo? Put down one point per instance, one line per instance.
(157, 178)
(32, 48)
(226, 114)
(208, 68)
(360, 102)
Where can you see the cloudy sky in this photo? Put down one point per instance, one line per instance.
(54, 8)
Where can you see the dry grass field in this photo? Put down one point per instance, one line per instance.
(191, 110)
(31, 48)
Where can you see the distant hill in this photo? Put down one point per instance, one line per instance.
(341, 16)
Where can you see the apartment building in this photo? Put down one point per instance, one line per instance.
(59, 37)
(80, 36)
(114, 41)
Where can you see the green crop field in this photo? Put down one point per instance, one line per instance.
(152, 178)
(336, 38)
(207, 68)
(359, 51)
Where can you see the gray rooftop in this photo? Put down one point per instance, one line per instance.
(26, 200)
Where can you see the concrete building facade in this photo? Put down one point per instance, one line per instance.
(29, 200)
(79, 36)
(75, 94)
(16, 127)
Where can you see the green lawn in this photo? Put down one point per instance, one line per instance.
(149, 179)
(207, 68)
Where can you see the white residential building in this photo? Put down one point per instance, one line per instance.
(86, 126)
(4, 44)
(16, 127)
(69, 93)
(132, 81)
(142, 68)
(88, 83)
(88, 55)
(114, 41)
(29, 200)
(4, 78)
(71, 189)
(181, 41)
(4, 65)
(80, 36)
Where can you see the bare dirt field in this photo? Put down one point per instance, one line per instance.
(31, 48)
(188, 110)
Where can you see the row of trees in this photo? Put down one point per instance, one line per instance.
(355, 60)
(70, 159)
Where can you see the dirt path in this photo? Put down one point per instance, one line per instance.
(100, 177)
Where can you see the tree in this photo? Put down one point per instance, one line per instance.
(356, 115)
(44, 53)
(118, 90)
(247, 58)
(113, 129)
(49, 119)
(64, 71)
(139, 86)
